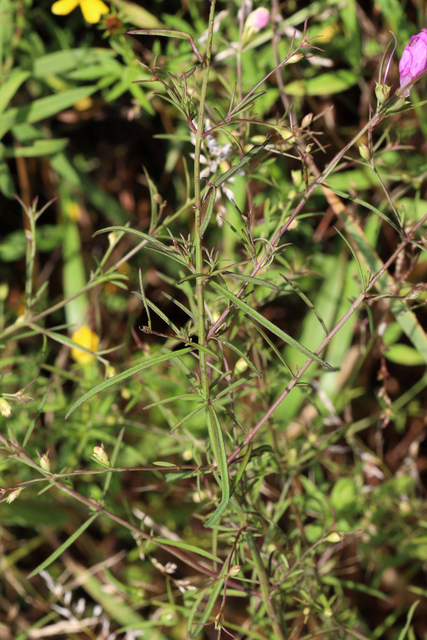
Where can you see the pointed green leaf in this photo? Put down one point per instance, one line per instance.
(126, 374)
(255, 315)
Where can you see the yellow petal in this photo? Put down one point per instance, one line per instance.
(88, 339)
(63, 7)
(93, 9)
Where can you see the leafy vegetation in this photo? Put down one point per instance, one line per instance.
(212, 290)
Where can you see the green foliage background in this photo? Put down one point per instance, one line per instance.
(316, 526)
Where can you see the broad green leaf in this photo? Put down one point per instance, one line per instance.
(43, 108)
(350, 18)
(106, 384)
(7, 186)
(414, 208)
(405, 355)
(137, 15)
(343, 494)
(60, 62)
(11, 86)
(255, 315)
(323, 84)
(38, 149)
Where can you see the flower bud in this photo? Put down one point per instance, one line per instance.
(5, 408)
(295, 58)
(413, 61)
(100, 455)
(364, 151)
(255, 21)
(13, 495)
(306, 121)
(112, 239)
(45, 462)
(258, 19)
(296, 177)
(382, 93)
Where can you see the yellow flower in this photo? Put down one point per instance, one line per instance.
(87, 339)
(92, 10)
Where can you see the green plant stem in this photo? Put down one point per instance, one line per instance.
(355, 305)
(264, 584)
(201, 317)
(17, 453)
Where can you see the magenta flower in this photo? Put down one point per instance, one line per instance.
(413, 61)
(258, 19)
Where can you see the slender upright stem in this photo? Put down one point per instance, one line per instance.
(201, 316)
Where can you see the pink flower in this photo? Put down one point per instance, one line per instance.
(413, 61)
(258, 19)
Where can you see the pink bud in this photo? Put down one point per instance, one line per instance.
(413, 61)
(258, 19)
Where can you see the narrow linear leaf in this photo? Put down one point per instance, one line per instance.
(181, 306)
(217, 443)
(411, 612)
(126, 374)
(183, 396)
(307, 301)
(158, 311)
(242, 355)
(233, 386)
(208, 213)
(362, 277)
(241, 469)
(273, 348)
(150, 240)
(208, 608)
(255, 315)
(179, 544)
(258, 281)
(187, 417)
(364, 204)
(63, 547)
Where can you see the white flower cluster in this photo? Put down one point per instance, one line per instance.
(75, 617)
